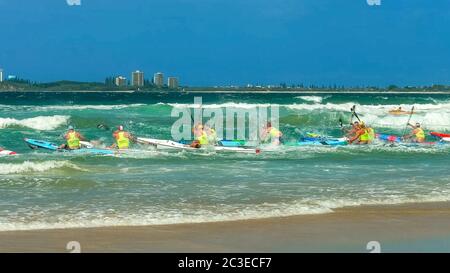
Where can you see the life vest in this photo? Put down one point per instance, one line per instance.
(369, 135)
(274, 133)
(212, 137)
(123, 142)
(419, 133)
(73, 142)
(203, 139)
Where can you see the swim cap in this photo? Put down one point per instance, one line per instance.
(120, 127)
(70, 127)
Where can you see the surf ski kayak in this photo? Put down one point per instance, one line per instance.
(41, 144)
(310, 140)
(169, 144)
(399, 112)
(322, 141)
(238, 143)
(389, 138)
(6, 152)
(301, 142)
(441, 135)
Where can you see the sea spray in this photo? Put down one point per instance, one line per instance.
(37, 123)
(43, 189)
(29, 167)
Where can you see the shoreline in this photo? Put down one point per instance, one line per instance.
(413, 227)
(324, 92)
(241, 92)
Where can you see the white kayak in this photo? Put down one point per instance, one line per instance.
(447, 139)
(86, 144)
(6, 152)
(169, 144)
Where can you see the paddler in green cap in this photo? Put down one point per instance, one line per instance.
(73, 139)
(271, 134)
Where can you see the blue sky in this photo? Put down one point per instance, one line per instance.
(218, 42)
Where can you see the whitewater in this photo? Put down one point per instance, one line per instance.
(45, 190)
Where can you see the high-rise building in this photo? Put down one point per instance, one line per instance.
(1, 75)
(120, 81)
(158, 79)
(172, 82)
(137, 78)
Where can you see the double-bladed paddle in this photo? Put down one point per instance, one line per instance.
(409, 119)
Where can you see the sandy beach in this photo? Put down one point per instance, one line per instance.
(400, 228)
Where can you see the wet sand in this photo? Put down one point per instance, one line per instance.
(400, 228)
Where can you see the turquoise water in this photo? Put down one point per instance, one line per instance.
(145, 186)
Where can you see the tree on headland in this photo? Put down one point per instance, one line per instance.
(392, 87)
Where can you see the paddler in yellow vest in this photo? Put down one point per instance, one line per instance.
(122, 137)
(211, 134)
(352, 131)
(365, 135)
(417, 134)
(271, 134)
(200, 136)
(73, 139)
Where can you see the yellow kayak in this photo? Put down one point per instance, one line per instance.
(400, 112)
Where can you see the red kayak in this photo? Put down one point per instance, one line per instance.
(441, 135)
(6, 152)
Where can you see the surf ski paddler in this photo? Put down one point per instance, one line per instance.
(200, 136)
(211, 134)
(122, 137)
(352, 131)
(271, 134)
(417, 134)
(365, 135)
(73, 139)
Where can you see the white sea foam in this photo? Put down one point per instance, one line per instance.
(163, 216)
(69, 107)
(38, 123)
(33, 167)
(315, 99)
(432, 116)
(381, 108)
(220, 105)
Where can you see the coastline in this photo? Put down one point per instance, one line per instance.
(239, 92)
(416, 227)
(323, 92)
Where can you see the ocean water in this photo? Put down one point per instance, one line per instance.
(42, 189)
